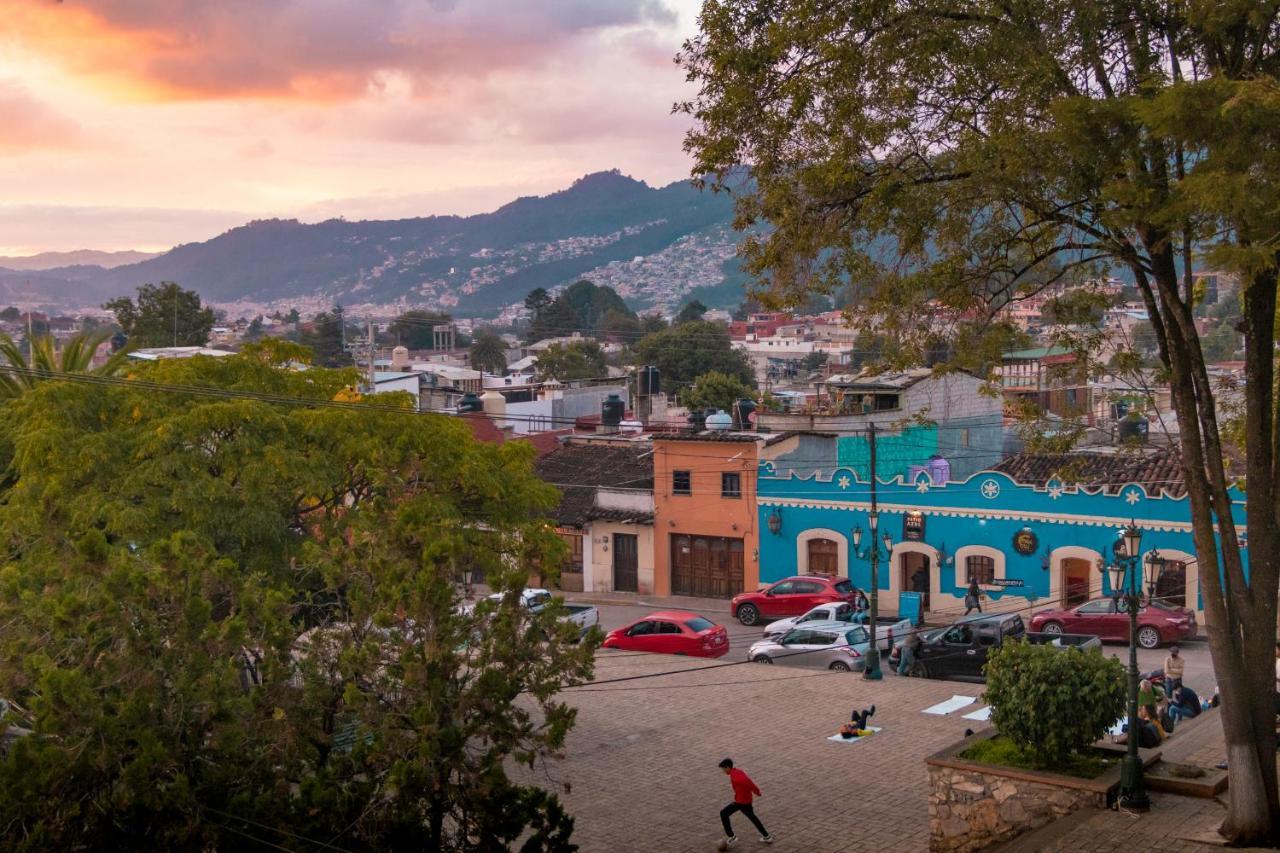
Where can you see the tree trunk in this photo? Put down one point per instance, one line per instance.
(1240, 616)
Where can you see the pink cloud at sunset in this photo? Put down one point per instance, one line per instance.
(280, 107)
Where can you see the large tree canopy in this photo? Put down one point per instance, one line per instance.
(944, 158)
(685, 352)
(164, 315)
(226, 617)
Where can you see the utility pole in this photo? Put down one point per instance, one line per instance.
(175, 315)
(871, 671)
(373, 379)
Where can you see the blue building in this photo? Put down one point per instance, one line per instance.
(1030, 544)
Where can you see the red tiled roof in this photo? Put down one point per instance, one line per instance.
(1159, 472)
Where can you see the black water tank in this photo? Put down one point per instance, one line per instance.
(1133, 429)
(742, 411)
(697, 420)
(650, 381)
(470, 403)
(611, 410)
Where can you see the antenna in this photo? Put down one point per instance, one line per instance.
(373, 378)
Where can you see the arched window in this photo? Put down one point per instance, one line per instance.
(1171, 583)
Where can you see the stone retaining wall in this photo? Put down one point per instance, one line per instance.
(970, 810)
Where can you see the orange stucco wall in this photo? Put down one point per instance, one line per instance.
(705, 512)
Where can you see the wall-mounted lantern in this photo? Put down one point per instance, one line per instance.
(775, 521)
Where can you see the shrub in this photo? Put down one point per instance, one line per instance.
(1053, 702)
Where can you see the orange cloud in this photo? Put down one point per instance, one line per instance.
(303, 50)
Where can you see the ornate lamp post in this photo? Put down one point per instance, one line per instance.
(1126, 584)
(871, 671)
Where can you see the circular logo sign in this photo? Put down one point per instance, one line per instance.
(1025, 541)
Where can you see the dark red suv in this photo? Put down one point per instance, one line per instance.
(790, 597)
(1157, 623)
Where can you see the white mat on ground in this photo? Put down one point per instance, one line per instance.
(955, 703)
(981, 715)
(838, 739)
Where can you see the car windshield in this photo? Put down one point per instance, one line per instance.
(537, 598)
(697, 623)
(844, 587)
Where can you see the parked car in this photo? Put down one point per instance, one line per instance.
(671, 632)
(960, 651)
(887, 627)
(1107, 617)
(830, 645)
(790, 597)
(585, 616)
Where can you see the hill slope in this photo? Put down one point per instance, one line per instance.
(470, 265)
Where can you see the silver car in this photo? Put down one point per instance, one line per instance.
(830, 645)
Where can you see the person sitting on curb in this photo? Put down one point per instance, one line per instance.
(1148, 735)
(1185, 704)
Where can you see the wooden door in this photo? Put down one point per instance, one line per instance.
(824, 558)
(626, 562)
(710, 566)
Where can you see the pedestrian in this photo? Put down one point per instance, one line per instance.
(907, 652)
(1185, 704)
(972, 596)
(1150, 694)
(1174, 666)
(743, 791)
(861, 608)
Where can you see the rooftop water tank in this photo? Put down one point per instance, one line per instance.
(697, 419)
(400, 358)
(611, 410)
(742, 414)
(495, 405)
(470, 403)
(631, 427)
(650, 381)
(719, 422)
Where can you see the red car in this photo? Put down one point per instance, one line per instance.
(790, 597)
(671, 632)
(1108, 618)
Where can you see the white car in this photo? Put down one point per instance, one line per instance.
(585, 616)
(888, 630)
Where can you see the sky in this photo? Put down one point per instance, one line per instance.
(140, 124)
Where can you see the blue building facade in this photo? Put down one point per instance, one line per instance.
(1029, 546)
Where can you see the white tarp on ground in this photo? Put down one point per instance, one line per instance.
(981, 715)
(955, 703)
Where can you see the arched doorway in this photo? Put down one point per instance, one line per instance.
(824, 557)
(1177, 580)
(913, 571)
(1075, 581)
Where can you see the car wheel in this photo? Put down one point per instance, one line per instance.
(762, 659)
(918, 670)
(748, 614)
(1148, 637)
(1051, 628)
(839, 666)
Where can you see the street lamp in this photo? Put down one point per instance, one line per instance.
(871, 671)
(1126, 583)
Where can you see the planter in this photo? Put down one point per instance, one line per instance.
(972, 805)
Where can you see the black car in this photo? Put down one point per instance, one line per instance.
(960, 651)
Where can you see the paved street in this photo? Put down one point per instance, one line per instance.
(641, 764)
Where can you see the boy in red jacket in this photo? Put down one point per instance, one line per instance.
(743, 789)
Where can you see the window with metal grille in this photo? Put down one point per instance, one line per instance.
(681, 483)
(981, 569)
(730, 485)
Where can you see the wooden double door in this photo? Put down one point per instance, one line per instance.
(708, 566)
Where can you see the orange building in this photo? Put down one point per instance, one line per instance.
(705, 528)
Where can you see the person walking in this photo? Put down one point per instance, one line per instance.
(972, 597)
(743, 791)
(907, 656)
(1174, 666)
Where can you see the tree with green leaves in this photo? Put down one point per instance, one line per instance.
(10, 314)
(581, 307)
(488, 353)
(164, 315)
(325, 337)
(692, 311)
(248, 623)
(685, 352)
(652, 322)
(715, 390)
(573, 360)
(45, 359)
(415, 329)
(943, 160)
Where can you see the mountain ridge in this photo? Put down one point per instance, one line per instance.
(650, 243)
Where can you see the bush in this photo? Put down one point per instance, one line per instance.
(1050, 702)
